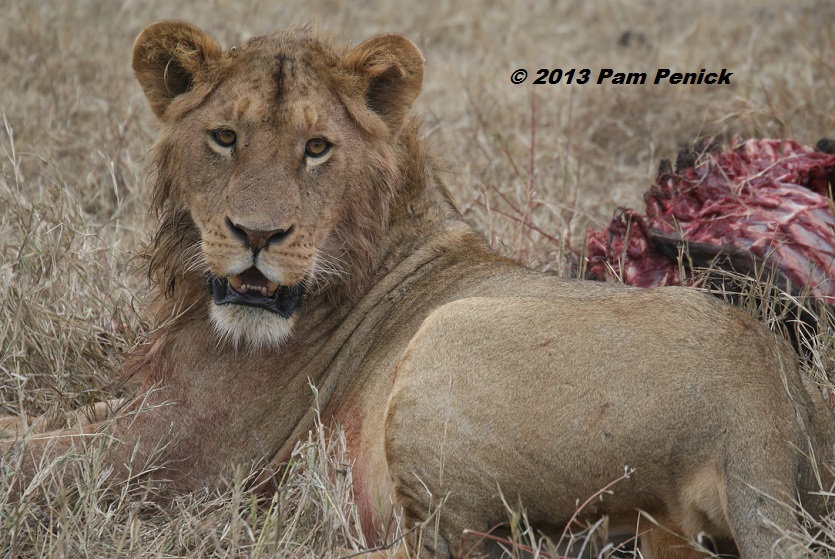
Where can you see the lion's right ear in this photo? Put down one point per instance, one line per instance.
(167, 56)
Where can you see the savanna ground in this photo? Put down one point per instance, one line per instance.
(532, 167)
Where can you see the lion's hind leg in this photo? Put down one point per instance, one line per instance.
(758, 515)
(661, 542)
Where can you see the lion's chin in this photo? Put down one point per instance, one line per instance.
(250, 327)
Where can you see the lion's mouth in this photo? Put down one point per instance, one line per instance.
(252, 289)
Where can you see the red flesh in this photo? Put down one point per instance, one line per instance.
(768, 197)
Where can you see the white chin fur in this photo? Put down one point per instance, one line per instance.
(251, 327)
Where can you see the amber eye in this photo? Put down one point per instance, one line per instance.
(224, 137)
(317, 147)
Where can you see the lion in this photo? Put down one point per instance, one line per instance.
(306, 236)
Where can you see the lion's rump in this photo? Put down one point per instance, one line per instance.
(769, 199)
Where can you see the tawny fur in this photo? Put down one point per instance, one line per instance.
(459, 376)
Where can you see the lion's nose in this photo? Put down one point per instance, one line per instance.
(258, 239)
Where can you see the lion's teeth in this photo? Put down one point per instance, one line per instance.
(241, 287)
(246, 288)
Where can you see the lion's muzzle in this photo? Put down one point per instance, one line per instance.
(252, 289)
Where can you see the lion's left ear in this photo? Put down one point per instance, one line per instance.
(392, 69)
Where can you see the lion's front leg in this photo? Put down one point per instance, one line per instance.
(13, 427)
(34, 448)
(36, 457)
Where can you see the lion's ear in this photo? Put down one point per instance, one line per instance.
(167, 56)
(392, 68)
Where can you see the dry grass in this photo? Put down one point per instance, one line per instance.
(532, 166)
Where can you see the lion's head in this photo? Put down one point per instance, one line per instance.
(275, 167)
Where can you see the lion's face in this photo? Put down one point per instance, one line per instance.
(269, 169)
(278, 150)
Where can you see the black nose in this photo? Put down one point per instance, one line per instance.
(258, 239)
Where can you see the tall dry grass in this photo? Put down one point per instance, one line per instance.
(532, 167)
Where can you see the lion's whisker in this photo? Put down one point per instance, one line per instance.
(325, 268)
(194, 258)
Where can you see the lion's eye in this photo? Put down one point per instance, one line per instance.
(317, 147)
(224, 137)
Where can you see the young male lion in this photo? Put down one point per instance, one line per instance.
(305, 236)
